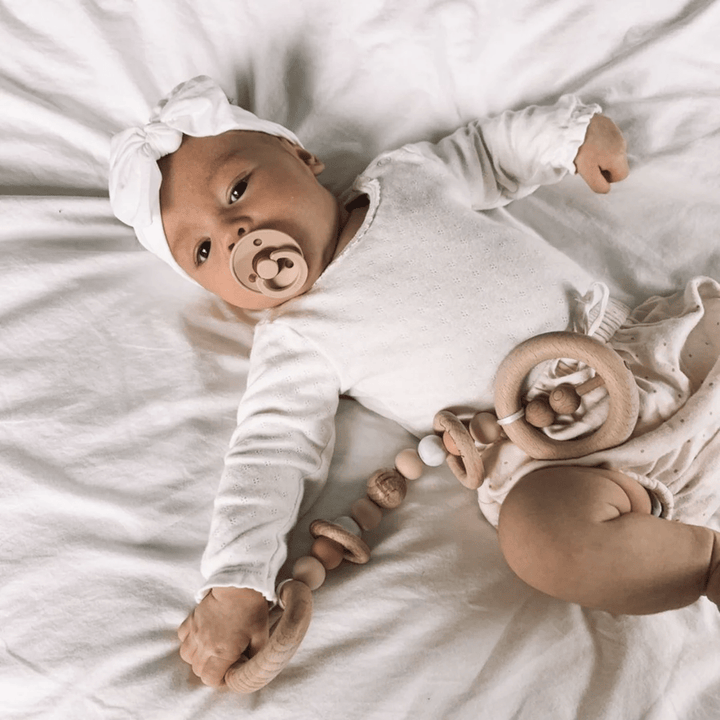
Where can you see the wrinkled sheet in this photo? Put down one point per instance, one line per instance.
(120, 381)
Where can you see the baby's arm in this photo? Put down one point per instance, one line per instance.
(282, 445)
(507, 157)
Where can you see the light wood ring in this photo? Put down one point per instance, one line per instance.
(619, 382)
(247, 676)
(468, 468)
(356, 549)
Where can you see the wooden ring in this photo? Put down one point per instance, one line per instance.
(356, 549)
(468, 468)
(247, 676)
(619, 382)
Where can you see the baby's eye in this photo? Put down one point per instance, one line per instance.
(238, 191)
(202, 253)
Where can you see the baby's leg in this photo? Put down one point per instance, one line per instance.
(586, 535)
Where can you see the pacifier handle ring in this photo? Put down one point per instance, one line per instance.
(297, 262)
(619, 382)
(252, 258)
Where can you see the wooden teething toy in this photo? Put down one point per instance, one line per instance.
(461, 447)
(616, 376)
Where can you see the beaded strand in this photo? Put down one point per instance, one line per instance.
(386, 489)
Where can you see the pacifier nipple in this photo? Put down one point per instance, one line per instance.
(269, 262)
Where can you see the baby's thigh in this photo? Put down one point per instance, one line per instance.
(555, 512)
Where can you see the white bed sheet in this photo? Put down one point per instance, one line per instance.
(120, 381)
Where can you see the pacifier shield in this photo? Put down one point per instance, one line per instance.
(269, 262)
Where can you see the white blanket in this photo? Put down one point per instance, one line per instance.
(120, 380)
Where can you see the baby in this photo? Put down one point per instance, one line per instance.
(407, 293)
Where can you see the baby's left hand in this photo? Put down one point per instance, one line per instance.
(602, 159)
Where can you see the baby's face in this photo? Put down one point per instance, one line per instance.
(216, 189)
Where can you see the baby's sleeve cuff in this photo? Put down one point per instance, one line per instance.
(573, 129)
(239, 579)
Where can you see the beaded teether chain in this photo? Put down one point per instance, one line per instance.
(341, 539)
(462, 447)
(386, 490)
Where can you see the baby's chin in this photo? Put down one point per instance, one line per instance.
(245, 299)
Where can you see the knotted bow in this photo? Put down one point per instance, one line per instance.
(197, 107)
(135, 176)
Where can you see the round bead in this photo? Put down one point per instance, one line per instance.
(366, 513)
(347, 523)
(539, 413)
(328, 552)
(432, 451)
(409, 464)
(309, 570)
(484, 428)
(449, 444)
(564, 399)
(387, 488)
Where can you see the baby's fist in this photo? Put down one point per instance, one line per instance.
(602, 158)
(226, 623)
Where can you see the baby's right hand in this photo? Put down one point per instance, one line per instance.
(226, 623)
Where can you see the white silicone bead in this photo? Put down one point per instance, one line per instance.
(432, 451)
(347, 523)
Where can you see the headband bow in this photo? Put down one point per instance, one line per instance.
(197, 107)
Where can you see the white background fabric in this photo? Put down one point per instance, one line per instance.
(120, 380)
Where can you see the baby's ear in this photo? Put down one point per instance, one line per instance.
(312, 161)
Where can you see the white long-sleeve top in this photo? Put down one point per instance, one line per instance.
(412, 317)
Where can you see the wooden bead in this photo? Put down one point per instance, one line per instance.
(328, 552)
(387, 488)
(564, 399)
(409, 464)
(309, 570)
(366, 513)
(449, 444)
(484, 428)
(539, 413)
(432, 451)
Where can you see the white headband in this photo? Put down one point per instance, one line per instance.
(197, 107)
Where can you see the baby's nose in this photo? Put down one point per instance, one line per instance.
(234, 234)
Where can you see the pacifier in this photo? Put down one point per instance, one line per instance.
(270, 263)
